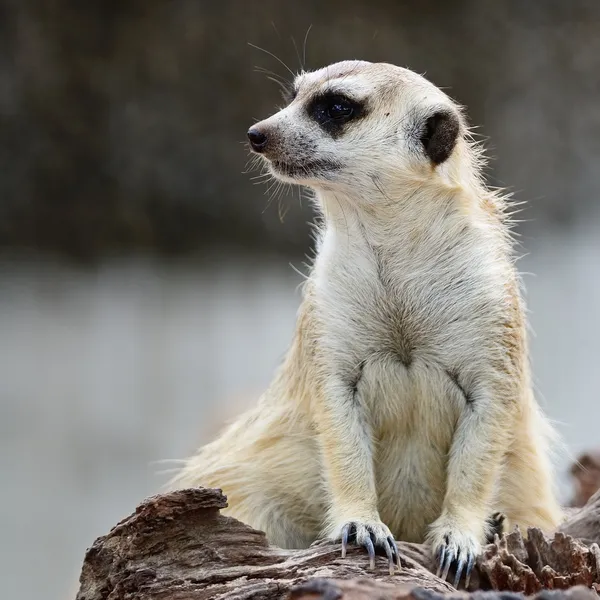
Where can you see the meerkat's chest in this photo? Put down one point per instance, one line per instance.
(408, 330)
(426, 305)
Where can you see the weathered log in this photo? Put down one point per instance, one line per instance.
(178, 546)
(370, 589)
(536, 563)
(584, 524)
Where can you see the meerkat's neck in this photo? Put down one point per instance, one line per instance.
(386, 218)
(391, 205)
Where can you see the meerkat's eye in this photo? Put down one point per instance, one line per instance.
(332, 110)
(340, 109)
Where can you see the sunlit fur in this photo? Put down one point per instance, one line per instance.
(413, 289)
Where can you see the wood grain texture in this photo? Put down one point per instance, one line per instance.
(178, 546)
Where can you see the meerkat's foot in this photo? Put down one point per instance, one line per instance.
(496, 526)
(374, 536)
(454, 545)
(460, 550)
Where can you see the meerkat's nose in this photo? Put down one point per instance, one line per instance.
(258, 140)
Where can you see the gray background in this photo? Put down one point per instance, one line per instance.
(146, 286)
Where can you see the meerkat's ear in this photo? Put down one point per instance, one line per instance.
(439, 136)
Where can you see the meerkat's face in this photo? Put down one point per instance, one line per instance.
(346, 124)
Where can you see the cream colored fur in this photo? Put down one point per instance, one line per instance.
(405, 399)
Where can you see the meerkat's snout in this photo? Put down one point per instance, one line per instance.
(267, 139)
(290, 147)
(258, 139)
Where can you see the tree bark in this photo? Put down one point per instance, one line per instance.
(178, 546)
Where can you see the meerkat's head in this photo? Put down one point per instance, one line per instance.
(349, 124)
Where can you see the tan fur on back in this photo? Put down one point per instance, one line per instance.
(405, 398)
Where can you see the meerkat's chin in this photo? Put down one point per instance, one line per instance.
(304, 170)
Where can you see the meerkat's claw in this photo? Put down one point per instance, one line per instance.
(460, 550)
(350, 533)
(389, 553)
(447, 556)
(460, 567)
(440, 560)
(450, 552)
(345, 534)
(368, 543)
(394, 546)
(467, 561)
(470, 565)
(372, 537)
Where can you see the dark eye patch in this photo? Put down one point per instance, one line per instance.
(333, 111)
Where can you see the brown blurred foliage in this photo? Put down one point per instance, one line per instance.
(585, 473)
(122, 124)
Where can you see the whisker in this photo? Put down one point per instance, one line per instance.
(285, 88)
(281, 78)
(304, 47)
(297, 53)
(275, 57)
(275, 28)
(261, 176)
(284, 84)
(303, 275)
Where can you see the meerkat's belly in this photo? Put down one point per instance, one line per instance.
(413, 410)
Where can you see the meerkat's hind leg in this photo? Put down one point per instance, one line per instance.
(496, 526)
(526, 492)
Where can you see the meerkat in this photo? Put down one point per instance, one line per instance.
(404, 408)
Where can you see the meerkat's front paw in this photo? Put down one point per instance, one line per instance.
(372, 535)
(454, 545)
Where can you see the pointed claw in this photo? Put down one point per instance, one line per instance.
(390, 554)
(396, 551)
(441, 556)
(371, 550)
(449, 561)
(470, 565)
(345, 533)
(459, 569)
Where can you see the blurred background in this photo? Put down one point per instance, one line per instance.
(147, 284)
